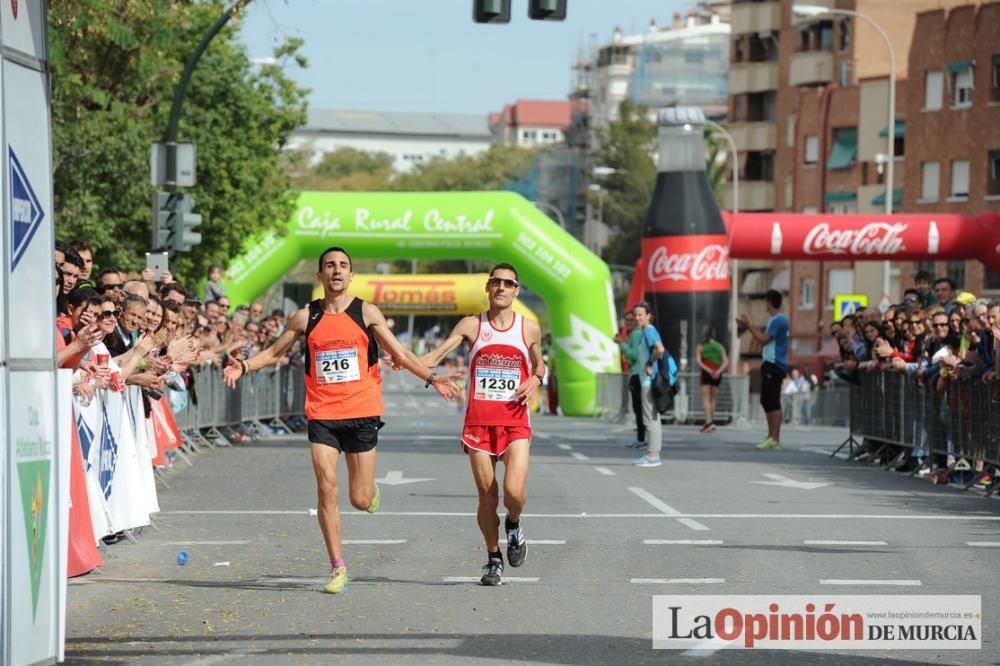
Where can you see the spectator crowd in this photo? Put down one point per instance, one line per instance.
(937, 337)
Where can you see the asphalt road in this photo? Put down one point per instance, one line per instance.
(719, 517)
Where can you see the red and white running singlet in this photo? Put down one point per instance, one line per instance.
(498, 365)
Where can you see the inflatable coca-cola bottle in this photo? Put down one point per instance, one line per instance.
(684, 240)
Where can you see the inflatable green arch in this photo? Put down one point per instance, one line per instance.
(500, 226)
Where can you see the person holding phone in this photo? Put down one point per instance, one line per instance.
(343, 392)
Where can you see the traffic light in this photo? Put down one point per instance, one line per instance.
(184, 222)
(162, 224)
(547, 10)
(491, 11)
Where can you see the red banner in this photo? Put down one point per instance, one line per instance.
(686, 263)
(864, 237)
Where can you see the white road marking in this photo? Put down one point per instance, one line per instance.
(849, 581)
(604, 470)
(705, 649)
(371, 542)
(983, 544)
(564, 447)
(205, 543)
(541, 435)
(610, 516)
(395, 478)
(785, 482)
(682, 542)
(452, 438)
(667, 510)
(547, 542)
(677, 581)
(475, 579)
(845, 543)
(579, 456)
(826, 452)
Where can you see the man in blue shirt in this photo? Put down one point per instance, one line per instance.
(774, 340)
(650, 349)
(630, 350)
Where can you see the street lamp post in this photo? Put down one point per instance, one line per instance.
(553, 209)
(813, 11)
(734, 268)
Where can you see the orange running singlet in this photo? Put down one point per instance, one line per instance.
(342, 373)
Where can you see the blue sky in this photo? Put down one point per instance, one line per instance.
(428, 55)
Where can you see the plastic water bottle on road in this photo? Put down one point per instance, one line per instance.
(182, 558)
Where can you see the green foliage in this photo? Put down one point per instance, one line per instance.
(488, 170)
(345, 169)
(627, 146)
(114, 68)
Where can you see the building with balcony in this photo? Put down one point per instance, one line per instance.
(808, 111)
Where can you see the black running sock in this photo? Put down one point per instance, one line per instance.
(511, 525)
(496, 556)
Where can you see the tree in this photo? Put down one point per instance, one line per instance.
(345, 169)
(627, 146)
(489, 170)
(114, 67)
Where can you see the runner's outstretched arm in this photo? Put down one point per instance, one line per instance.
(401, 356)
(265, 357)
(533, 334)
(466, 329)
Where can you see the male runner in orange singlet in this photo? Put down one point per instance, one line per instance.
(505, 371)
(343, 392)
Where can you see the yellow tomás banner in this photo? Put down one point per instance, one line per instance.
(425, 294)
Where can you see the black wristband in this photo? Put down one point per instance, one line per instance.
(540, 378)
(430, 380)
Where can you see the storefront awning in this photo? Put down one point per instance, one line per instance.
(899, 131)
(845, 148)
(897, 199)
(837, 197)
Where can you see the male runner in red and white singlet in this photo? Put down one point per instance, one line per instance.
(343, 392)
(505, 371)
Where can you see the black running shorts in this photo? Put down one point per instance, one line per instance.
(771, 376)
(346, 435)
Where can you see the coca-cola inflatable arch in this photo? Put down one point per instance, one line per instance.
(864, 237)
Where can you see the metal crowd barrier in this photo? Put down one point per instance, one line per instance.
(961, 421)
(260, 401)
(613, 403)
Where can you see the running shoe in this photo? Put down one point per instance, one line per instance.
(338, 581)
(711, 428)
(492, 573)
(646, 461)
(517, 547)
(376, 500)
(768, 443)
(705, 427)
(636, 444)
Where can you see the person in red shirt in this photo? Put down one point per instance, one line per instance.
(343, 392)
(505, 370)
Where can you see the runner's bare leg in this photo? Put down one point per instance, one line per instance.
(361, 478)
(484, 474)
(515, 477)
(325, 459)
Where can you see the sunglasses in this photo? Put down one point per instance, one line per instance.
(113, 286)
(106, 314)
(496, 282)
(940, 324)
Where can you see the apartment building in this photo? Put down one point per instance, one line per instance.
(808, 110)
(953, 126)
(531, 123)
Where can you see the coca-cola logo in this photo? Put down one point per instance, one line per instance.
(875, 238)
(709, 263)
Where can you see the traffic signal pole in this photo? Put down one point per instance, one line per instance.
(170, 139)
